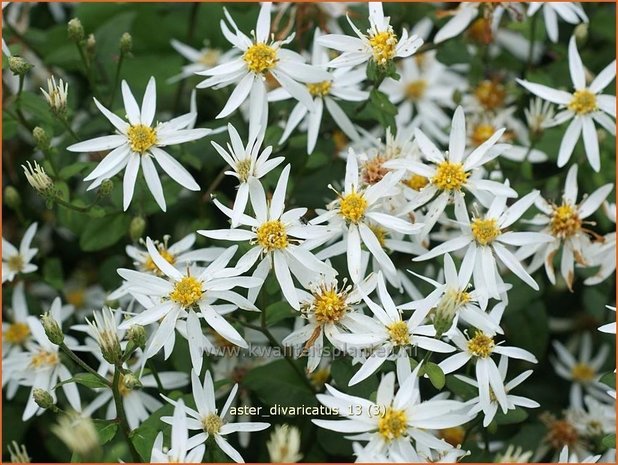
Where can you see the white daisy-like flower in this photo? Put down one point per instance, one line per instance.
(179, 452)
(514, 454)
(584, 106)
(181, 295)
(200, 60)
(582, 370)
(211, 421)
(480, 347)
(15, 329)
(596, 419)
(566, 224)
(490, 408)
(486, 239)
(284, 444)
(394, 419)
(566, 457)
(571, 12)
(380, 44)
(388, 334)
(261, 56)
(329, 311)
(277, 237)
(343, 85)
(602, 252)
(609, 328)
(452, 171)
(248, 165)
(137, 143)
(17, 261)
(356, 211)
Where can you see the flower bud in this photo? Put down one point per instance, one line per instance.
(41, 139)
(43, 398)
(52, 329)
(136, 228)
(56, 95)
(12, 199)
(581, 33)
(105, 331)
(38, 178)
(137, 336)
(106, 188)
(91, 44)
(75, 30)
(19, 66)
(126, 43)
(131, 382)
(79, 434)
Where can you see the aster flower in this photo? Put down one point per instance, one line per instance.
(278, 237)
(211, 421)
(137, 143)
(394, 419)
(261, 56)
(56, 95)
(178, 452)
(248, 165)
(452, 171)
(15, 329)
(566, 457)
(16, 261)
(602, 252)
(571, 12)
(380, 44)
(284, 444)
(200, 60)
(583, 107)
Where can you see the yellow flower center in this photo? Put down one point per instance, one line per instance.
(243, 168)
(319, 377)
(187, 292)
(480, 31)
(123, 389)
(399, 333)
(583, 102)
(481, 345)
(210, 57)
(16, 263)
(485, 230)
(352, 207)
(481, 133)
(380, 233)
(416, 182)
(17, 333)
(393, 424)
(373, 170)
(340, 140)
(260, 58)
(141, 138)
(583, 372)
(319, 89)
(330, 306)
(167, 256)
(272, 235)
(416, 89)
(454, 436)
(212, 424)
(490, 94)
(449, 176)
(565, 221)
(383, 45)
(43, 358)
(76, 297)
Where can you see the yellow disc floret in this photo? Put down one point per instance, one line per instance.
(44, 358)
(374, 170)
(15, 263)
(583, 102)
(260, 58)
(565, 221)
(393, 424)
(383, 45)
(485, 230)
(272, 235)
(212, 424)
(243, 168)
(319, 89)
(490, 94)
(167, 256)
(450, 176)
(399, 333)
(416, 89)
(481, 345)
(416, 182)
(17, 333)
(481, 133)
(329, 306)
(187, 292)
(352, 207)
(583, 373)
(141, 137)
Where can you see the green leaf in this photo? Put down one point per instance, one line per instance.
(85, 379)
(277, 312)
(73, 169)
(436, 375)
(52, 273)
(609, 441)
(460, 388)
(107, 430)
(517, 415)
(342, 371)
(609, 379)
(101, 233)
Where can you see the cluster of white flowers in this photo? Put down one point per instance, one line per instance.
(437, 190)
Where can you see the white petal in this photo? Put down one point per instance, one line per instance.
(130, 176)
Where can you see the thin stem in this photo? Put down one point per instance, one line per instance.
(21, 85)
(155, 373)
(87, 67)
(67, 126)
(214, 184)
(82, 364)
(70, 206)
(122, 417)
(116, 79)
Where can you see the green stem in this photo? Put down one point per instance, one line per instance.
(122, 417)
(87, 68)
(21, 85)
(82, 364)
(155, 373)
(116, 79)
(76, 208)
(67, 126)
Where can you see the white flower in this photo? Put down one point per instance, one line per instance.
(565, 457)
(56, 94)
(513, 454)
(463, 15)
(210, 421)
(104, 330)
(489, 406)
(200, 60)
(380, 44)
(260, 57)
(181, 296)
(15, 329)
(452, 171)
(480, 347)
(343, 85)
(16, 261)
(248, 165)
(37, 177)
(394, 419)
(278, 237)
(567, 226)
(284, 444)
(137, 142)
(179, 451)
(356, 211)
(608, 328)
(486, 239)
(595, 420)
(571, 12)
(78, 433)
(582, 371)
(539, 115)
(584, 106)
